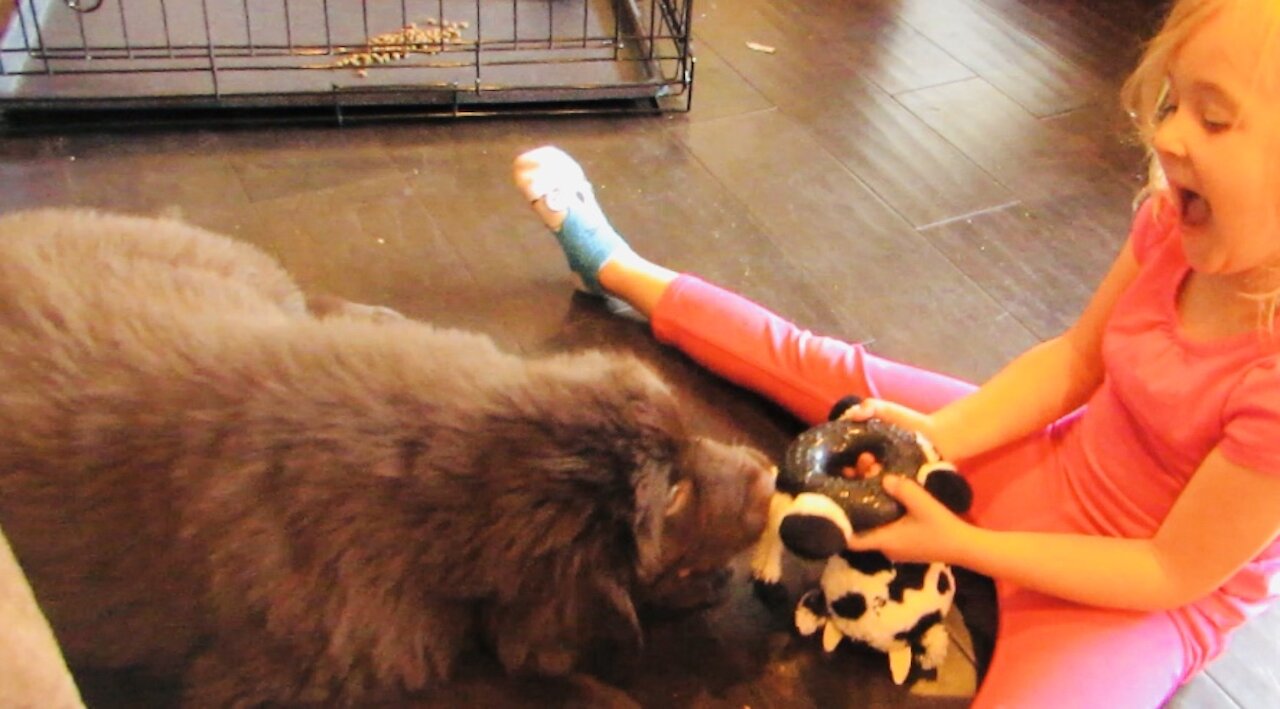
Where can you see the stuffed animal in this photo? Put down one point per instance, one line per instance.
(830, 486)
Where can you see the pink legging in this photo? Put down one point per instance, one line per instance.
(1048, 652)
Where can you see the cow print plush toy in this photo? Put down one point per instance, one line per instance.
(829, 487)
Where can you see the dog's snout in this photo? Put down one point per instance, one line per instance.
(764, 476)
(737, 486)
(762, 481)
(761, 472)
(762, 489)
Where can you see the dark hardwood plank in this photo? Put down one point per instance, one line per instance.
(1105, 136)
(853, 249)
(1039, 79)
(165, 173)
(719, 90)
(867, 35)
(896, 57)
(33, 180)
(905, 162)
(1040, 263)
(1030, 157)
(901, 158)
(1105, 38)
(275, 162)
(364, 242)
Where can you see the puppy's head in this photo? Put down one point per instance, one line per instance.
(618, 509)
(717, 504)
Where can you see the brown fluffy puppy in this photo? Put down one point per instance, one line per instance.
(199, 474)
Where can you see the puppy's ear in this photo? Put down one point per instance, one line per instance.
(574, 606)
(659, 500)
(620, 637)
(589, 621)
(576, 517)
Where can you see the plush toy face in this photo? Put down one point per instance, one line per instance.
(898, 609)
(884, 604)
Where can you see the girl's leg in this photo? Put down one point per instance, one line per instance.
(728, 334)
(1051, 653)
(806, 373)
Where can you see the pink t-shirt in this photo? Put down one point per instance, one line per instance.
(1165, 404)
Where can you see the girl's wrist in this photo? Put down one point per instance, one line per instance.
(937, 435)
(967, 543)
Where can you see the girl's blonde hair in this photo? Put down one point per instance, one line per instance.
(1144, 91)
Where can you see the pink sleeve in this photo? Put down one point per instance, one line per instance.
(1152, 224)
(1251, 436)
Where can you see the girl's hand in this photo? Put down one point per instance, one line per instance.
(896, 414)
(929, 531)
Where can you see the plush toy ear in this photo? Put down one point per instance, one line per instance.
(843, 405)
(943, 482)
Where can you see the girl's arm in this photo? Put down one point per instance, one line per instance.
(1225, 516)
(1035, 389)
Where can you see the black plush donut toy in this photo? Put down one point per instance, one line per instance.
(826, 460)
(831, 481)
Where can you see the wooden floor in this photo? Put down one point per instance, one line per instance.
(943, 179)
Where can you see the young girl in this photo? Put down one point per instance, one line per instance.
(1127, 472)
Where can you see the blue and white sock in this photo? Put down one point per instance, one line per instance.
(586, 236)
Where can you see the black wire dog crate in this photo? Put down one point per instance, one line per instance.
(158, 59)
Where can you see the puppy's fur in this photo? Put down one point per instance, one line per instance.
(202, 475)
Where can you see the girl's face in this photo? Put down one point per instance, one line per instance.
(1218, 143)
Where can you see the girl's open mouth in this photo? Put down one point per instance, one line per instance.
(1195, 209)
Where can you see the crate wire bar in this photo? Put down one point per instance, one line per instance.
(416, 57)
